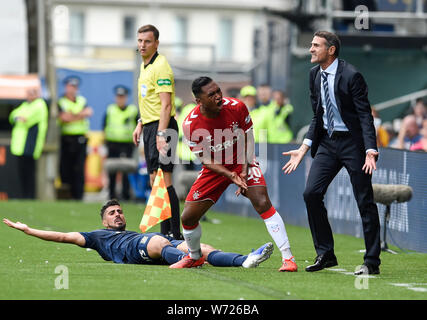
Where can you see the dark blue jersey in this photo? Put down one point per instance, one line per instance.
(119, 246)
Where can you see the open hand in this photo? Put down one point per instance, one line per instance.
(294, 161)
(17, 225)
(370, 162)
(162, 146)
(240, 182)
(244, 176)
(137, 134)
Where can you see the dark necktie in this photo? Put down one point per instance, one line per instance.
(328, 104)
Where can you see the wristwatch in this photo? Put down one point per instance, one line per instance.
(161, 134)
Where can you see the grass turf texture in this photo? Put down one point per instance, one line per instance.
(27, 264)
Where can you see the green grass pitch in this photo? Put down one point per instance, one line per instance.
(29, 267)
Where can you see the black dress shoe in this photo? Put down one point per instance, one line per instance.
(178, 237)
(367, 269)
(322, 261)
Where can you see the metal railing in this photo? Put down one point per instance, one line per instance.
(411, 97)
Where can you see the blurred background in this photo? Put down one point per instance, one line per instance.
(242, 44)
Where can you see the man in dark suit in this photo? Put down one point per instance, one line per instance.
(341, 133)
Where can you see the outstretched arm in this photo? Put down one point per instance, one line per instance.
(65, 237)
(296, 157)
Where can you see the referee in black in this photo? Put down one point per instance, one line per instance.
(156, 98)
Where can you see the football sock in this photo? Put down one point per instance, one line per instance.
(165, 227)
(192, 235)
(175, 219)
(276, 228)
(171, 254)
(225, 259)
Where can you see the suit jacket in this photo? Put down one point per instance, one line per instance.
(351, 95)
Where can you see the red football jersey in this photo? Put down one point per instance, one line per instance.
(222, 139)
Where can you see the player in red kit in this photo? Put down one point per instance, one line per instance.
(219, 131)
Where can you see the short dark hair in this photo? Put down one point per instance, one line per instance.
(198, 83)
(331, 40)
(109, 203)
(148, 28)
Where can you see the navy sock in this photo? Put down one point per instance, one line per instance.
(171, 254)
(225, 259)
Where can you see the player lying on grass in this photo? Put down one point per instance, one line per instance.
(115, 243)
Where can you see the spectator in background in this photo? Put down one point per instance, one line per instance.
(74, 114)
(420, 112)
(409, 133)
(421, 145)
(29, 122)
(232, 92)
(248, 94)
(264, 95)
(383, 137)
(119, 122)
(388, 127)
(277, 117)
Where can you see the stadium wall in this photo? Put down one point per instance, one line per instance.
(383, 69)
(407, 227)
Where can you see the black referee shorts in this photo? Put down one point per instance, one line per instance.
(150, 147)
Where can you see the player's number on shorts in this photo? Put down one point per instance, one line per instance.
(254, 173)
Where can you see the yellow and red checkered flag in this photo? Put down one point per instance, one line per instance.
(158, 207)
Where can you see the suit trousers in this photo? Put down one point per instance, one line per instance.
(333, 154)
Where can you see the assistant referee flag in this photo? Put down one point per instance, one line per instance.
(158, 207)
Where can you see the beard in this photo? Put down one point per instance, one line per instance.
(120, 227)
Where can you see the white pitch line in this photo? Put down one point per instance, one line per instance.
(411, 286)
(337, 269)
(348, 273)
(418, 289)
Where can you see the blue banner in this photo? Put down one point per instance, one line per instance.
(98, 89)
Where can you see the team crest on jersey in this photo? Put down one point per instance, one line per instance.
(144, 239)
(144, 90)
(196, 195)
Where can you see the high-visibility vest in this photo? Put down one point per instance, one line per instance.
(79, 127)
(259, 120)
(184, 152)
(28, 137)
(120, 123)
(278, 129)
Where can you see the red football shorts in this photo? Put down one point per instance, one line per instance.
(210, 186)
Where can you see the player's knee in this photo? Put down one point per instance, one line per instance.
(188, 219)
(162, 242)
(262, 205)
(206, 249)
(156, 245)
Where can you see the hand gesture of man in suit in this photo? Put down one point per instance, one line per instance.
(341, 134)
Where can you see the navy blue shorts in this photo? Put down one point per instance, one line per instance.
(142, 247)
